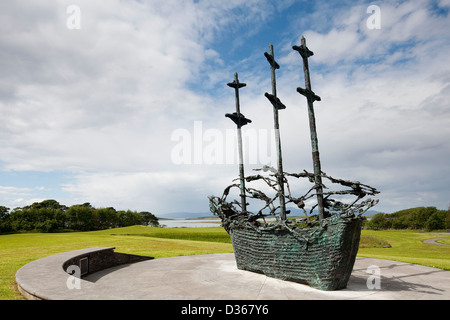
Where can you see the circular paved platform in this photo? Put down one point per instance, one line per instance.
(215, 277)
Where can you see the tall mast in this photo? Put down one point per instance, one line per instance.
(240, 121)
(311, 97)
(277, 105)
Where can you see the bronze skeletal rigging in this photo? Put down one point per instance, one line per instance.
(278, 179)
(240, 121)
(311, 97)
(277, 105)
(317, 250)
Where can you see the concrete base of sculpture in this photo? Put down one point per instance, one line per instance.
(216, 277)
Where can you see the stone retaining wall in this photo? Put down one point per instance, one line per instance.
(47, 278)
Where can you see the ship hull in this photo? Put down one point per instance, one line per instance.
(321, 257)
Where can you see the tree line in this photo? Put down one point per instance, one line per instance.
(420, 218)
(51, 216)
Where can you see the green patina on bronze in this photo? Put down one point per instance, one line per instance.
(318, 250)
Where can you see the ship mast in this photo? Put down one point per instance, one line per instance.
(240, 121)
(311, 97)
(277, 105)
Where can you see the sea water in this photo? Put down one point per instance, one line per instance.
(189, 223)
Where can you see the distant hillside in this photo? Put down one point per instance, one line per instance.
(298, 212)
(192, 215)
(420, 218)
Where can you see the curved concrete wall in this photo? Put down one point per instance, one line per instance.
(47, 277)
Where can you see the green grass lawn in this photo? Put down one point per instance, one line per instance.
(444, 241)
(17, 250)
(408, 247)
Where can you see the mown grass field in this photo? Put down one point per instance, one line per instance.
(17, 250)
(408, 247)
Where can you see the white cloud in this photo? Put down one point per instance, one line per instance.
(79, 92)
(444, 3)
(383, 118)
(14, 196)
(121, 82)
(13, 190)
(102, 102)
(180, 189)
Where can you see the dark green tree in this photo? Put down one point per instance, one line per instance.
(436, 221)
(447, 218)
(129, 218)
(379, 222)
(81, 217)
(149, 219)
(5, 225)
(107, 218)
(51, 216)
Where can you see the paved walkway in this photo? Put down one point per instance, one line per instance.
(215, 277)
(433, 241)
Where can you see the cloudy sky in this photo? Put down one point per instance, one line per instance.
(122, 103)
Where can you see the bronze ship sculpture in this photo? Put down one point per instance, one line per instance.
(319, 249)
